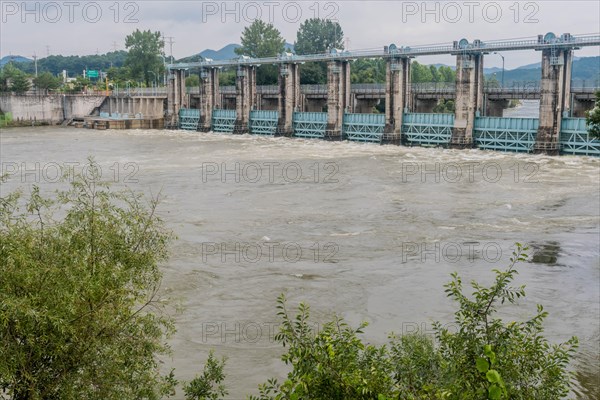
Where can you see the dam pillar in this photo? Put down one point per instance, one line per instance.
(210, 97)
(495, 108)
(397, 96)
(469, 96)
(245, 97)
(555, 93)
(338, 97)
(288, 97)
(176, 96)
(580, 106)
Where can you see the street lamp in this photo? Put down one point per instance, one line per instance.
(165, 70)
(502, 66)
(153, 73)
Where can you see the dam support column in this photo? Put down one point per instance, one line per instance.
(176, 96)
(209, 96)
(288, 98)
(397, 97)
(338, 97)
(245, 99)
(469, 97)
(495, 108)
(555, 96)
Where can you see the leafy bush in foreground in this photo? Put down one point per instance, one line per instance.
(484, 358)
(79, 313)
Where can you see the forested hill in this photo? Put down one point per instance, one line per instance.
(584, 69)
(74, 65)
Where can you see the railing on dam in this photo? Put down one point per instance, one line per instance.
(512, 88)
(427, 129)
(480, 47)
(505, 134)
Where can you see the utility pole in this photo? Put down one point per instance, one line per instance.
(502, 66)
(114, 43)
(47, 50)
(171, 41)
(35, 62)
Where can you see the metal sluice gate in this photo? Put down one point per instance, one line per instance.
(420, 129)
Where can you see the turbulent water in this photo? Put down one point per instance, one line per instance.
(369, 232)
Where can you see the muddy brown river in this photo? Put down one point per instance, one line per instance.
(365, 231)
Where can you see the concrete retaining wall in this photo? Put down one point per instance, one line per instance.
(149, 106)
(49, 108)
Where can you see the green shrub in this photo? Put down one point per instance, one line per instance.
(484, 358)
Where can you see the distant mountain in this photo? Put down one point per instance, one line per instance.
(226, 53)
(531, 66)
(584, 69)
(290, 47)
(7, 59)
(491, 70)
(539, 64)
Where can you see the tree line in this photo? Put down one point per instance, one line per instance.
(144, 61)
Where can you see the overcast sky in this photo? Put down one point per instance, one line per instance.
(87, 27)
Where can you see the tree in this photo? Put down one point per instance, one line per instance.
(192, 81)
(55, 64)
(512, 361)
(209, 385)
(368, 71)
(227, 77)
(317, 36)
(8, 72)
(420, 73)
(448, 75)
(46, 81)
(262, 40)
(444, 106)
(81, 83)
(20, 83)
(119, 75)
(491, 81)
(435, 74)
(144, 57)
(79, 311)
(593, 118)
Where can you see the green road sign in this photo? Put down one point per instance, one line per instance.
(92, 73)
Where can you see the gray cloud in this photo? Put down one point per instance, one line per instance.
(84, 27)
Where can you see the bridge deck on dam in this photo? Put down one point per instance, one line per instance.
(430, 90)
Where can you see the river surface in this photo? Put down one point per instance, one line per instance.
(526, 109)
(369, 232)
